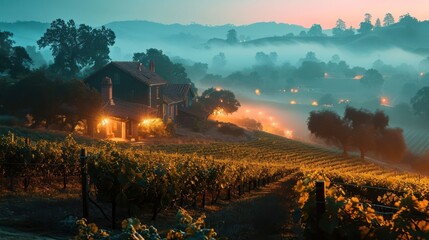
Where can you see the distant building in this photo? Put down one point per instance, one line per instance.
(132, 93)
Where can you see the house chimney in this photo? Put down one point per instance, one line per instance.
(106, 91)
(152, 66)
(140, 67)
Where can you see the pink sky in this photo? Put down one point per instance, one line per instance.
(213, 12)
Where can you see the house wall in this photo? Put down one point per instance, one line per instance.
(156, 100)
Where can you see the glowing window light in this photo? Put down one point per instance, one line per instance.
(257, 92)
(218, 89)
(293, 102)
(104, 121)
(325, 75)
(294, 90)
(314, 103)
(421, 74)
(358, 77)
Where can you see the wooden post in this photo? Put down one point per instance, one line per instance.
(85, 187)
(320, 199)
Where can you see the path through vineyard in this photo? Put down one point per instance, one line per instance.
(262, 215)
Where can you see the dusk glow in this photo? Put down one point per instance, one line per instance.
(237, 12)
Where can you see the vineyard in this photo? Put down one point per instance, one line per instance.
(155, 178)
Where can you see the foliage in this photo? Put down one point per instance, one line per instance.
(372, 79)
(219, 60)
(420, 102)
(231, 129)
(352, 217)
(388, 20)
(13, 59)
(171, 72)
(75, 48)
(133, 229)
(231, 36)
(153, 127)
(315, 31)
(218, 99)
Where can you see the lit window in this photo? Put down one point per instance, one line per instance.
(157, 93)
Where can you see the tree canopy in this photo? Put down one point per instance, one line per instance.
(171, 72)
(372, 79)
(218, 99)
(77, 47)
(14, 60)
(359, 129)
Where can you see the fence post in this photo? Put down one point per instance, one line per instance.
(320, 199)
(84, 174)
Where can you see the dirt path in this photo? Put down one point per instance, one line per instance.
(264, 214)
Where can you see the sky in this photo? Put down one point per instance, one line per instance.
(211, 12)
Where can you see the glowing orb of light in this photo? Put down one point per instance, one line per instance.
(257, 92)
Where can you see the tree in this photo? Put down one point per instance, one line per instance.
(20, 62)
(327, 99)
(315, 31)
(329, 126)
(219, 61)
(231, 36)
(309, 70)
(388, 20)
(408, 19)
(6, 43)
(377, 24)
(339, 28)
(266, 59)
(420, 102)
(372, 79)
(366, 26)
(218, 99)
(75, 48)
(197, 71)
(171, 72)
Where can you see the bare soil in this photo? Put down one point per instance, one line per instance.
(261, 214)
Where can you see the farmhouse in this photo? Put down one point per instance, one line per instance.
(133, 95)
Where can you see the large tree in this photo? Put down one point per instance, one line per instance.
(388, 20)
(315, 31)
(171, 72)
(339, 28)
(366, 26)
(231, 36)
(14, 60)
(329, 126)
(214, 99)
(75, 48)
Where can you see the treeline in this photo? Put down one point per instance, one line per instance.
(359, 129)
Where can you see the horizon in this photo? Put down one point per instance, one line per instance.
(302, 13)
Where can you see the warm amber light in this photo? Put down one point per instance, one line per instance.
(384, 101)
(293, 102)
(314, 103)
(326, 75)
(288, 133)
(294, 90)
(358, 77)
(104, 121)
(257, 92)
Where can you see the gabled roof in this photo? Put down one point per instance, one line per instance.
(174, 93)
(140, 73)
(128, 110)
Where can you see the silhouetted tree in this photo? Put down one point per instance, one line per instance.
(6, 43)
(231, 36)
(266, 59)
(339, 28)
(315, 31)
(216, 99)
(20, 62)
(372, 79)
(377, 24)
(366, 26)
(420, 102)
(75, 48)
(388, 20)
(391, 144)
(309, 70)
(329, 126)
(408, 19)
(171, 72)
(363, 130)
(197, 70)
(219, 60)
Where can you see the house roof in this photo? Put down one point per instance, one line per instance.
(174, 93)
(127, 110)
(140, 72)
